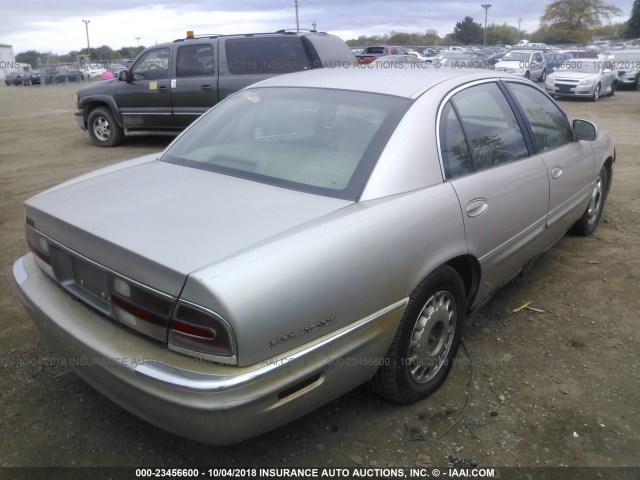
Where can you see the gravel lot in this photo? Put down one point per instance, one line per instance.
(559, 387)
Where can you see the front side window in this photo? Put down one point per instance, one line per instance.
(153, 65)
(314, 140)
(491, 129)
(550, 126)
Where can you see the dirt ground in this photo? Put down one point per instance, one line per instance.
(559, 387)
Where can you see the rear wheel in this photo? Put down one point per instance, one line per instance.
(426, 341)
(543, 76)
(591, 216)
(103, 129)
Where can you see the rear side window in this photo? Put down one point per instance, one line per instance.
(456, 156)
(550, 126)
(195, 60)
(491, 129)
(266, 55)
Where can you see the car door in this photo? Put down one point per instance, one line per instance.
(502, 189)
(570, 162)
(194, 86)
(145, 100)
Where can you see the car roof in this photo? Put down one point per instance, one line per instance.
(408, 83)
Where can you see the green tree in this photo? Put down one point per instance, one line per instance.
(31, 57)
(575, 20)
(633, 25)
(502, 34)
(468, 31)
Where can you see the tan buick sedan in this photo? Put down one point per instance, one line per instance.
(309, 234)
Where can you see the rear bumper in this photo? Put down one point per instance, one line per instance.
(208, 402)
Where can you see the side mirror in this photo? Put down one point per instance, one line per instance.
(123, 76)
(585, 130)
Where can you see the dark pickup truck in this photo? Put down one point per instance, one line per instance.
(169, 85)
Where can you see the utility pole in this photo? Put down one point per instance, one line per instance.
(519, 22)
(295, 4)
(486, 7)
(86, 26)
(314, 24)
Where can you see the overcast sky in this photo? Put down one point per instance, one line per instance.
(56, 25)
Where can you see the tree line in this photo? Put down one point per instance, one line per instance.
(100, 54)
(564, 21)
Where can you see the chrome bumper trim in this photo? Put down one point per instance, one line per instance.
(202, 382)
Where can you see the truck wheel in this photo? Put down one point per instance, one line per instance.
(103, 129)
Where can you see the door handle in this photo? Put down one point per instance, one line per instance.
(206, 87)
(477, 207)
(162, 88)
(556, 171)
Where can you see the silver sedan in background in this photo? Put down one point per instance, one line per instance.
(582, 78)
(309, 234)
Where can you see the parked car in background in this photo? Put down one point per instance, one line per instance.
(582, 78)
(525, 63)
(190, 287)
(627, 64)
(72, 74)
(54, 76)
(399, 61)
(555, 60)
(369, 54)
(92, 73)
(171, 84)
(113, 71)
(14, 78)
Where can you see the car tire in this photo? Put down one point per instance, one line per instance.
(543, 76)
(590, 219)
(527, 75)
(103, 129)
(426, 341)
(596, 94)
(614, 86)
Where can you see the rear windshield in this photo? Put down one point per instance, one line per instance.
(315, 140)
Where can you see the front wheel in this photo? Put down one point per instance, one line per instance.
(426, 341)
(591, 216)
(103, 129)
(596, 94)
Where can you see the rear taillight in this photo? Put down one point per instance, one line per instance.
(38, 245)
(143, 309)
(199, 332)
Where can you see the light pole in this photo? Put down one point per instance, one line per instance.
(486, 7)
(519, 22)
(138, 40)
(295, 4)
(86, 26)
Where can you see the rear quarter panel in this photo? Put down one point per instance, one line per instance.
(345, 266)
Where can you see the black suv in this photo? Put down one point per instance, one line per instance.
(169, 85)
